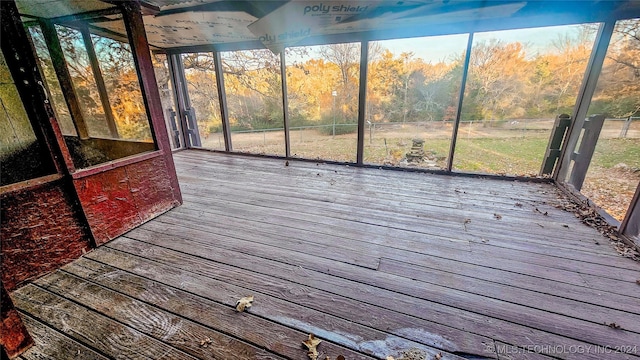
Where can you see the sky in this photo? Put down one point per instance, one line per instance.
(436, 48)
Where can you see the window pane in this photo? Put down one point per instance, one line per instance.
(165, 88)
(614, 172)
(21, 155)
(123, 89)
(58, 102)
(84, 82)
(254, 101)
(123, 129)
(322, 89)
(412, 97)
(200, 74)
(519, 80)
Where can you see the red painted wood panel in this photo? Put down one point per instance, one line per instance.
(117, 200)
(14, 337)
(151, 187)
(41, 231)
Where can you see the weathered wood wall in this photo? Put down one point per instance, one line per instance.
(122, 198)
(41, 231)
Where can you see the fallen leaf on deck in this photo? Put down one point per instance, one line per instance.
(286, 163)
(340, 357)
(438, 356)
(390, 357)
(311, 343)
(497, 216)
(244, 303)
(205, 342)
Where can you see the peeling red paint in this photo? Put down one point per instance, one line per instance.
(14, 337)
(117, 200)
(40, 232)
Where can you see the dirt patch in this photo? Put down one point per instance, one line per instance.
(612, 189)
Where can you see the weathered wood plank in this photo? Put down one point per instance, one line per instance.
(180, 333)
(544, 225)
(251, 231)
(84, 325)
(421, 244)
(269, 246)
(278, 223)
(440, 269)
(486, 316)
(222, 295)
(367, 210)
(50, 344)
(549, 308)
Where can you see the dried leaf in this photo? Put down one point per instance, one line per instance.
(340, 357)
(438, 356)
(311, 343)
(205, 342)
(466, 221)
(390, 357)
(244, 303)
(286, 163)
(613, 325)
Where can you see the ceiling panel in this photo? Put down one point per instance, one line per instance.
(56, 8)
(178, 4)
(193, 28)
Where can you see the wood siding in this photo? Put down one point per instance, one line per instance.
(119, 199)
(41, 231)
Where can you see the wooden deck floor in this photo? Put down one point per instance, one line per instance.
(373, 262)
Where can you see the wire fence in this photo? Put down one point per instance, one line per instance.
(613, 128)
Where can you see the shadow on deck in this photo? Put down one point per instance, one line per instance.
(373, 262)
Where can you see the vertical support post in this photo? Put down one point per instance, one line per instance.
(173, 123)
(222, 98)
(285, 103)
(581, 159)
(64, 77)
(463, 85)
(558, 132)
(587, 89)
(149, 86)
(630, 225)
(625, 127)
(362, 99)
(176, 117)
(102, 88)
(190, 134)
